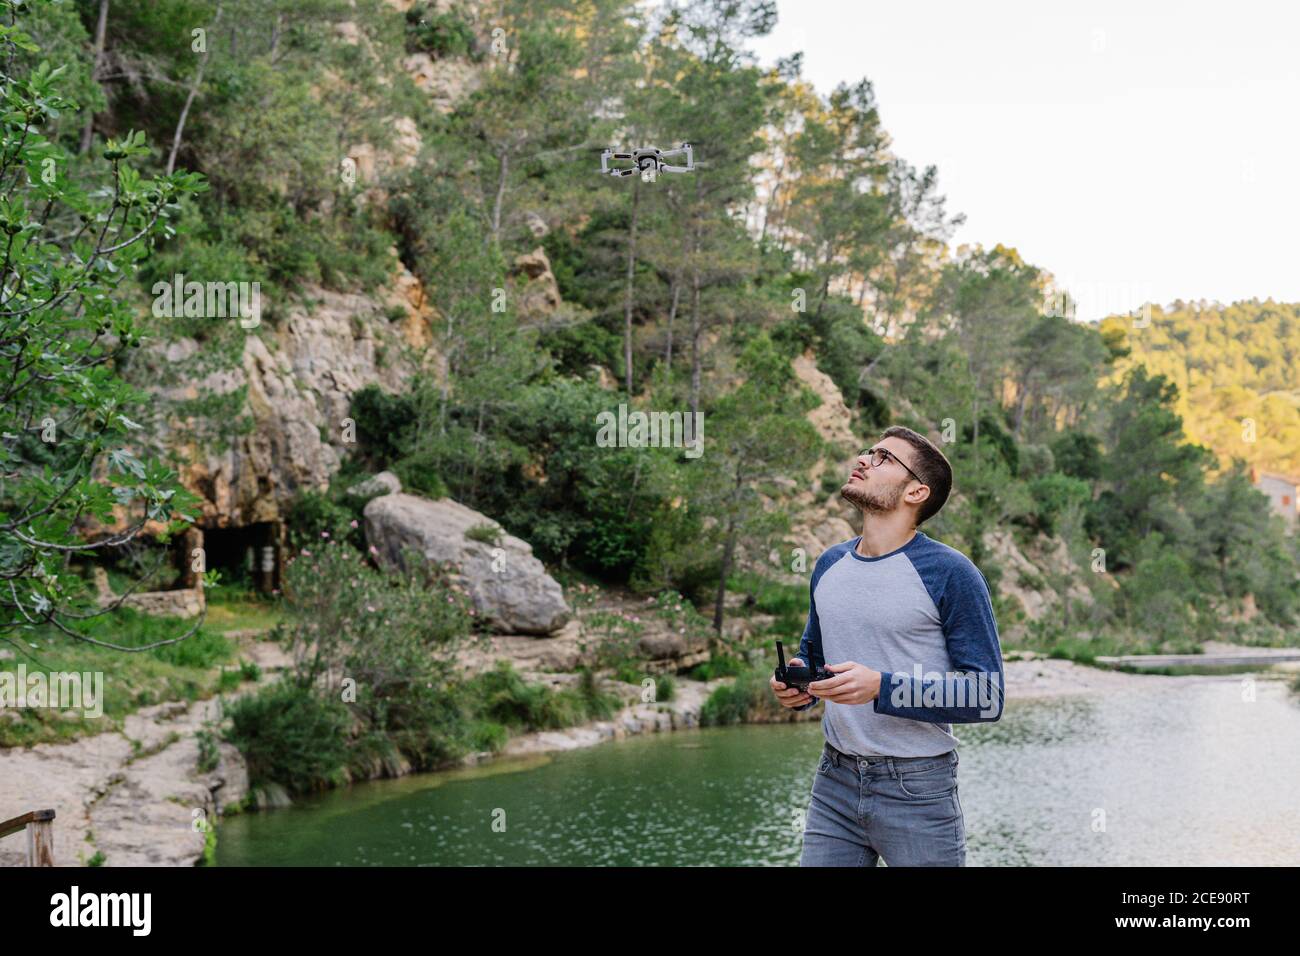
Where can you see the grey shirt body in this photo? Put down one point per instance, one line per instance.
(922, 615)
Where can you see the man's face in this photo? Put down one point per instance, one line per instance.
(879, 490)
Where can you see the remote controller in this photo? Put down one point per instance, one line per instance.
(798, 675)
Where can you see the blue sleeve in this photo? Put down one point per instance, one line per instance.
(972, 692)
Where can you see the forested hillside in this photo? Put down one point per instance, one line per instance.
(453, 293)
(1237, 368)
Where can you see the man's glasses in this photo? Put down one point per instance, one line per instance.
(878, 455)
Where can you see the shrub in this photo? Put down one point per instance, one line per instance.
(665, 688)
(484, 533)
(439, 34)
(290, 735)
(315, 516)
(747, 697)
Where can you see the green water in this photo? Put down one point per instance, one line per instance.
(1186, 773)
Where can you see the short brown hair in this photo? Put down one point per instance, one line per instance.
(931, 465)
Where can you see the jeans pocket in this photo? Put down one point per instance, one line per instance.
(932, 782)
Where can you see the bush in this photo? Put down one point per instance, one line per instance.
(745, 699)
(418, 474)
(315, 516)
(716, 667)
(484, 533)
(665, 688)
(290, 735)
(1053, 494)
(505, 699)
(383, 422)
(439, 34)
(393, 637)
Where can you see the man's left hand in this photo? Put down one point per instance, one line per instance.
(853, 683)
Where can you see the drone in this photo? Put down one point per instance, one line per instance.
(649, 161)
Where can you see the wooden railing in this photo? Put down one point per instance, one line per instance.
(39, 825)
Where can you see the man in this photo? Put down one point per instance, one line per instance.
(906, 623)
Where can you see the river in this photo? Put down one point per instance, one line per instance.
(1185, 772)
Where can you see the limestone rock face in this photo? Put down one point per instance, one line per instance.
(300, 373)
(447, 81)
(509, 586)
(536, 288)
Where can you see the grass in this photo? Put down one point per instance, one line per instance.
(484, 533)
(503, 697)
(232, 608)
(131, 680)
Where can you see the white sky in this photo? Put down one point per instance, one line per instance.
(1137, 150)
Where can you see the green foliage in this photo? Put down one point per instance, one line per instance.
(748, 698)
(316, 517)
(68, 451)
(484, 533)
(501, 697)
(209, 754)
(665, 688)
(1234, 368)
(1078, 455)
(1052, 494)
(290, 735)
(439, 34)
(383, 422)
(717, 666)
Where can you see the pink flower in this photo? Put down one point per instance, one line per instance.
(354, 523)
(324, 534)
(306, 553)
(373, 549)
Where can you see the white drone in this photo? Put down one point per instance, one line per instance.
(649, 161)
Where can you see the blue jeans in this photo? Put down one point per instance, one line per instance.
(904, 809)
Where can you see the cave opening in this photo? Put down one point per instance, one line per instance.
(249, 554)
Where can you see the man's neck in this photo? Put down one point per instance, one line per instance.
(882, 534)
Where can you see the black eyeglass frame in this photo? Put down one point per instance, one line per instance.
(872, 453)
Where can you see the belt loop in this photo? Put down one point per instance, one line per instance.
(889, 762)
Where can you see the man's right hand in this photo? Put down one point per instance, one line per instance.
(790, 696)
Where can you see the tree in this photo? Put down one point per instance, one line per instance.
(758, 436)
(988, 298)
(66, 459)
(1147, 469)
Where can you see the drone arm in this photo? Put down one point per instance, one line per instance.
(685, 149)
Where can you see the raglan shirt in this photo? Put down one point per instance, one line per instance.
(922, 615)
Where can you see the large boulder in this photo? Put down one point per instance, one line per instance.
(510, 587)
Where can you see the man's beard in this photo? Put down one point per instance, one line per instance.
(870, 503)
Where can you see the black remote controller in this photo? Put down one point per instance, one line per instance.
(798, 675)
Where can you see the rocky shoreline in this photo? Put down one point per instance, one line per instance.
(136, 796)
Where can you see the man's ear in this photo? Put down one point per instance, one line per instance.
(919, 494)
